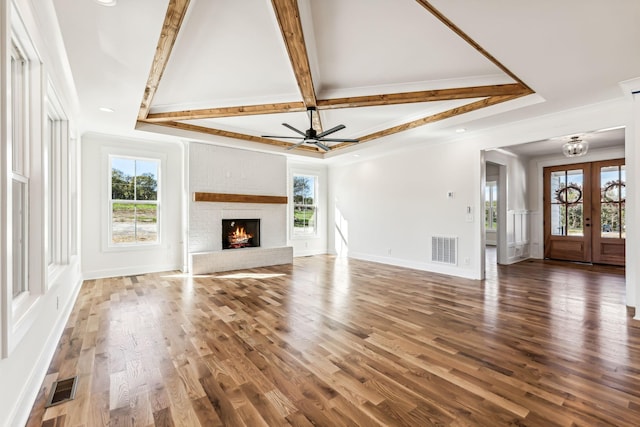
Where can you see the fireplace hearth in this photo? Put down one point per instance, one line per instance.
(240, 233)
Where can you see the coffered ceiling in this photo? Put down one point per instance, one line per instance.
(229, 72)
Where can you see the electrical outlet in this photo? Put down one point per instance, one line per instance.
(467, 261)
(389, 251)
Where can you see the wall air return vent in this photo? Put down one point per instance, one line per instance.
(444, 249)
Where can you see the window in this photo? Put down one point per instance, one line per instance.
(19, 170)
(73, 202)
(567, 202)
(19, 239)
(305, 205)
(134, 204)
(55, 152)
(19, 107)
(50, 143)
(491, 205)
(55, 184)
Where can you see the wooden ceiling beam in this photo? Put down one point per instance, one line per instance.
(288, 16)
(493, 100)
(423, 96)
(212, 113)
(176, 12)
(453, 27)
(226, 134)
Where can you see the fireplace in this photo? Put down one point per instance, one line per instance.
(240, 233)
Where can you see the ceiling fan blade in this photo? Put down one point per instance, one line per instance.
(296, 145)
(330, 131)
(280, 137)
(322, 146)
(339, 140)
(294, 129)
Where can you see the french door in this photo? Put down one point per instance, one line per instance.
(584, 212)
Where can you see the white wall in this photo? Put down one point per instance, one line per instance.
(215, 169)
(98, 258)
(386, 209)
(309, 245)
(28, 341)
(369, 196)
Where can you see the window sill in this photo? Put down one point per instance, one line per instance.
(133, 247)
(305, 237)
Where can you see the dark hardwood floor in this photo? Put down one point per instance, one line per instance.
(336, 342)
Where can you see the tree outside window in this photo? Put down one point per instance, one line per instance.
(305, 206)
(134, 200)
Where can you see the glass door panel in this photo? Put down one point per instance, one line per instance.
(609, 212)
(567, 218)
(567, 203)
(612, 201)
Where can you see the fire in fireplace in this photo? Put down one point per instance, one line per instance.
(240, 233)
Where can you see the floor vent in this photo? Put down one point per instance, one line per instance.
(62, 391)
(444, 249)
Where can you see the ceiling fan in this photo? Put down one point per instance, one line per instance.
(311, 136)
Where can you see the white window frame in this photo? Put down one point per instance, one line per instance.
(72, 219)
(157, 202)
(56, 185)
(296, 233)
(20, 242)
(20, 142)
(24, 158)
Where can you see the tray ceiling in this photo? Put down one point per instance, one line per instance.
(241, 69)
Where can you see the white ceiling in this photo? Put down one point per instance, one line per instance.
(605, 138)
(231, 53)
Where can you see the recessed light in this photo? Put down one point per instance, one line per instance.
(460, 130)
(356, 155)
(106, 109)
(107, 2)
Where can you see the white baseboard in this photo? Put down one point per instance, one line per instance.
(424, 266)
(514, 260)
(36, 377)
(129, 271)
(309, 253)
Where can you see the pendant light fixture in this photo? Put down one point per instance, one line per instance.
(576, 147)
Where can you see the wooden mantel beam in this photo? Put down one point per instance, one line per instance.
(238, 198)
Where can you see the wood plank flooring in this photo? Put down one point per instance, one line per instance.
(336, 342)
